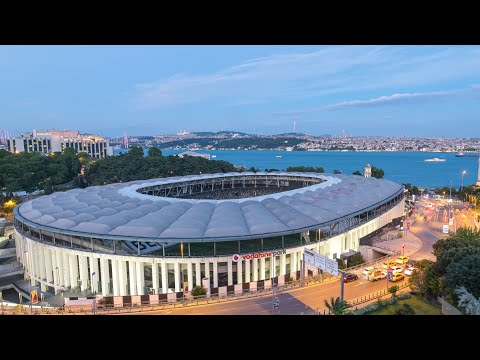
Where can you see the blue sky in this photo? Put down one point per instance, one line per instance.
(147, 90)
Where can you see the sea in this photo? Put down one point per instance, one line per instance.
(400, 167)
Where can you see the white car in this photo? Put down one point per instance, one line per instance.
(409, 271)
(367, 269)
(396, 269)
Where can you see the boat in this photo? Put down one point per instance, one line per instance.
(435, 160)
(459, 154)
(214, 156)
(278, 156)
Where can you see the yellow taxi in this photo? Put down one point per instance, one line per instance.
(388, 264)
(397, 277)
(402, 259)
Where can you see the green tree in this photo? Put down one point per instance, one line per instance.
(154, 152)
(464, 273)
(337, 307)
(464, 237)
(405, 309)
(356, 172)
(377, 172)
(425, 281)
(199, 291)
(454, 255)
(305, 169)
(393, 290)
(356, 259)
(48, 187)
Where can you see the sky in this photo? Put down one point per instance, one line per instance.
(416, 91)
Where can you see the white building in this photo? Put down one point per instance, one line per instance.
(367, 171)
(154, 237)
(48, 141)
(193, 153)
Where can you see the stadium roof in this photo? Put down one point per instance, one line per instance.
(119, 211)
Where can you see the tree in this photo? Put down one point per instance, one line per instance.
(305, 169)
(393, 290)
(405, 309)
(425, 281)
(464, 237)
(356, 172)
(337, 307)
(199, 291)
(48, 187)
(356, 259)
(464, 273)
(468, 301)
(454, 255)
(154, 152)
(377, 172)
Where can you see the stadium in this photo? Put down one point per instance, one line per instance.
(229, 232)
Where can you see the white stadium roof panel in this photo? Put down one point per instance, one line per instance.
(120, 210)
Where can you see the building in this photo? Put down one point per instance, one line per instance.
(48, 141)
(233, 231)
(193, 153)
(367, 171)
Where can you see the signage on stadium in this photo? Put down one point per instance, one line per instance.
(264, 254)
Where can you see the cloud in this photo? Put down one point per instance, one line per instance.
(394, 99)
(296, 76)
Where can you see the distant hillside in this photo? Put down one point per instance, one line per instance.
(243, 143)
(226, 132)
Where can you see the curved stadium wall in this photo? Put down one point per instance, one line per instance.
(138, 238)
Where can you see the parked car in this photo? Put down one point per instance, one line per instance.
(388, 264)
(402, 260)
(350, 277)
(367, 270)
(410, 271)
(397, 277)
(396, 269)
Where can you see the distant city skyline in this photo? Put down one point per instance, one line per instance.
(412, 91)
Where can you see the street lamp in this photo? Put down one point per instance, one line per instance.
(463, 173)
(58, 278)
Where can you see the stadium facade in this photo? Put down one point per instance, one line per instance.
(225, 231)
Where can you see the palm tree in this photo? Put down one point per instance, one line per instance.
(336, 306)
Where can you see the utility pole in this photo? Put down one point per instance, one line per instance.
(342, 282)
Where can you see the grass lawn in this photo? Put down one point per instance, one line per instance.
(421, 307)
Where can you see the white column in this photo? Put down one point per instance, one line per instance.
(41, 258)
(207, 271)
(94, 269)
(247, 271)
(155, 277)
(283, 265)
(215, 273)
(66, 269)
(122, 277)
(293, 262)
(272, 266)
(229, 272)
(262, 269)
(116, 287)
(177, 276)
(74, 270)
(38, 264)
(198, 274)
(239, 272)
(84, 276)
(190, 275)
(56, 277)
(140, 278)
(60, 265)
(105, 276)
(255, 269)
(164, 278)
(48, 265)
(132, 278)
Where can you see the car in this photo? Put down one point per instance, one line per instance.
(388, 264)
(410, 271)
(397, 277)
(410, 263)
(350, 277)
(396, 269)
(367, 270)
(402, 260)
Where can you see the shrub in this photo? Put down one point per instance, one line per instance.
(405, 309)
(199, 291)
